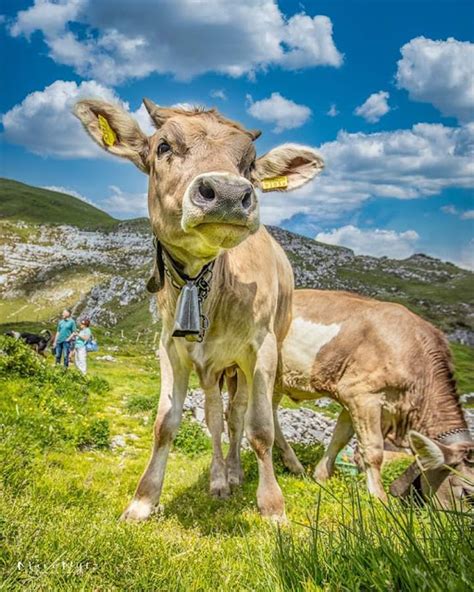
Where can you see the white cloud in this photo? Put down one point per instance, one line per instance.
(44, 124)
(450, 209)
(375, 242)
(441, 73)
(284, 113)
(122, 40)
(375, 107)
(453, 211)
(218, 93)
(126, 205)
(45, 16)
(466, 258)
(144, 120)
(402, 164)
(332, 111)
(72, 192)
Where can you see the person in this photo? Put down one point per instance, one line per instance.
(80, 351)
(64, 332)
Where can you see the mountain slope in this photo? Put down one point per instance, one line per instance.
(439, 291)
(103, 275)
(19, 201)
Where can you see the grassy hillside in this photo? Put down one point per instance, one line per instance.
(64, 487)
(41, 206)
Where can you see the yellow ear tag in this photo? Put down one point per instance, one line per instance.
(108, 135)
(274, 183)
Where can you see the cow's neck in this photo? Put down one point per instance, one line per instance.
(188, 293)
(441, 412)
(186, 265)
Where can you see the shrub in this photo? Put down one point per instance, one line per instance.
(93, 434)
(41, 408)
(191, 439)
(141, 403)
(98, 385)
(16, 359)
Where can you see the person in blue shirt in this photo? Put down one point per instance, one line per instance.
(62, 340)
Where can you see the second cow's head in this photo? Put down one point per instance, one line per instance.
(203, 172)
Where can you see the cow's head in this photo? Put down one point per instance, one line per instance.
(203, 173)
(446, 471)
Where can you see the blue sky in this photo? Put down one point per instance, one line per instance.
(383, 88)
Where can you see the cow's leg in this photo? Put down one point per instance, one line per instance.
(343, 432)
(259, 428)
(238, 400)
(219, 486)
(366, 414)
(174, 383)
(290, 460)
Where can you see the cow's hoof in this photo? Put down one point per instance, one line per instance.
(279, 519)
(235, 478)
(220, 489)
(272, 505)
(321, 474)
(137, 511)
(273, 515)
(293, 465)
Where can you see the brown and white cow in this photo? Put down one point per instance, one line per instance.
(392, 373)
(204, 213)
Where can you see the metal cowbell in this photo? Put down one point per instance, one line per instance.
(188, 313)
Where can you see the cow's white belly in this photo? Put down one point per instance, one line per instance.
(302, 344)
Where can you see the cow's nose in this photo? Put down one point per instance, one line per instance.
(223, 193)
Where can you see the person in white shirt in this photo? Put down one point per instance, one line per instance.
(83, 336)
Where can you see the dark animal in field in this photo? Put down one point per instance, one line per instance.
(39, 342)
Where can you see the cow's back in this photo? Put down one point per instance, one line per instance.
(350, 343)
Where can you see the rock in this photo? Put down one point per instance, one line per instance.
(117, 442)
(106, 358)
(301, 425)
(467, 399)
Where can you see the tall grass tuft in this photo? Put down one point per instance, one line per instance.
(368, 545)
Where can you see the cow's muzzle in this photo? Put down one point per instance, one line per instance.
(220, 199)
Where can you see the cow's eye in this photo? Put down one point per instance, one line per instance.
(163, 147)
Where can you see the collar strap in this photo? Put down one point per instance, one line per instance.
(177, 277)
(454, 436)
(190, 322)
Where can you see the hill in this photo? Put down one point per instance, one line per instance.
(19, 201)
(104, 275)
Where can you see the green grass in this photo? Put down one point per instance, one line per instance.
(62, 498)
(374, 547)
(464, 364)
(41, 206)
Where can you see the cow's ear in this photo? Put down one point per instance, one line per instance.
(114, 130)
(287, 167)
(429, 454)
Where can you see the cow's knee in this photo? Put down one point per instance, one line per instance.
(260, 439)
(372, 457)
(166, 428)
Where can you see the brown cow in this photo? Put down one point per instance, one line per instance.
(392, 373)
(224, 285)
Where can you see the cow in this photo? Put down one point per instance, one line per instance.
(38, 342)
(392, 373)
(224, 286)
